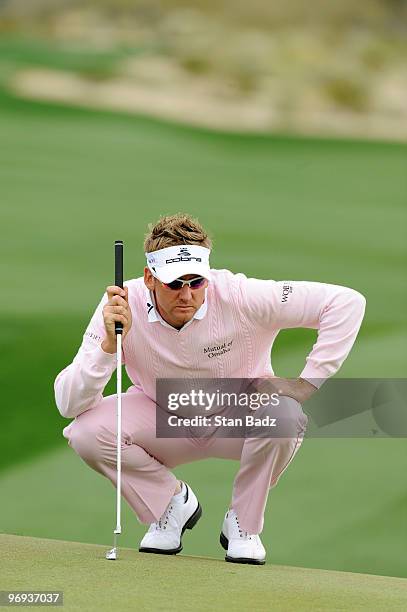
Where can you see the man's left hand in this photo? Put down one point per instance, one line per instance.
(297, 388)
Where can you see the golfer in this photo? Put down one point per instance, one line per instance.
(186, 320)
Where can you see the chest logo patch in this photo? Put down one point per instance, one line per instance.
(218, 349)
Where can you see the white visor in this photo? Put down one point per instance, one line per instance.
(176, 261)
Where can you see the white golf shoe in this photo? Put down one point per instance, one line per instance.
(165, 536)
(241, 547)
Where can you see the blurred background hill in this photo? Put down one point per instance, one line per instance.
(331, 68)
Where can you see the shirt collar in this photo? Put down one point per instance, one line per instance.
(153, 315)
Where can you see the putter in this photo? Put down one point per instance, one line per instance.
(112, 555)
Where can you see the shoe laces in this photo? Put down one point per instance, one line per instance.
(163, 520)
(242, 533)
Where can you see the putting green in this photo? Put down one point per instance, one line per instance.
(341, 526)
(154, 582)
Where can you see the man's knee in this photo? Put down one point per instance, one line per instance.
(290, 410)
(284, 421)
(93, 435)
(84, 438)
(96, 442)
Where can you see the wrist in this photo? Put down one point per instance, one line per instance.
(297, 388)
(107, 347)
(305, 389)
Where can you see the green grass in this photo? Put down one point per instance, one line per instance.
(337, 507)
(73, 181)
(17, 52)
(189, 583)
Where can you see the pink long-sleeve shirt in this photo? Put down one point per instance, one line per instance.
(231, 336)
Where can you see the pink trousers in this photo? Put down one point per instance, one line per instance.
(147, 481)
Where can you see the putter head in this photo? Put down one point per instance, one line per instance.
(111, 555)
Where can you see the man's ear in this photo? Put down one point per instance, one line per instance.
(148, 279)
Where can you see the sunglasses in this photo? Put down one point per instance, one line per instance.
(195, 283)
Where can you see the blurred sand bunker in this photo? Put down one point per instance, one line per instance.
(304, 68)
(202, 102)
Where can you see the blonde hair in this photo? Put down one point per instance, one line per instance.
(173, 230)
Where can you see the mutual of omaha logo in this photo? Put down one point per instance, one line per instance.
(183, 255)
(218, 350)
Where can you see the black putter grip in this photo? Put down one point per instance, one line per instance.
(118, 275)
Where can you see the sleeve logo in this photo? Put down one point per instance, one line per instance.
(287, 289)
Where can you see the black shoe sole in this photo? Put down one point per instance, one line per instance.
(191, 522)
(225, 543)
